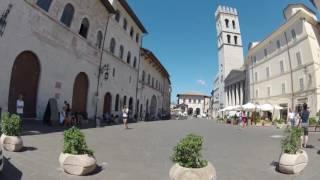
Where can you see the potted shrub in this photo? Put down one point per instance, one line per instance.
(189, 164)
(280, 123)
(76, 158)
(11, 130)
(259, 122)
(293, 159)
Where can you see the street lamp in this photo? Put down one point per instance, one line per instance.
(105, 71)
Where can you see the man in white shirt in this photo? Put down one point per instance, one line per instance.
(20, 106)
(291, 117)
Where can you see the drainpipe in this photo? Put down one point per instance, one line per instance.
(97, 124)
(291, 72)
(137, 86)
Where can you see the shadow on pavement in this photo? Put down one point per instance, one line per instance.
(24, 149)
(10, 172)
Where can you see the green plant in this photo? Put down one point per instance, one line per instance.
(11, 124)
(292, 142)
(188, 152)
(279, 121)
(313, 121)
(75, 143)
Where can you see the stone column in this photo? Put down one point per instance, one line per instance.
(231, 95)
(235, 94)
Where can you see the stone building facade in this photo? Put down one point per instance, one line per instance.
(154, 87)
(283, 69)
(86, 53)
(197, 103)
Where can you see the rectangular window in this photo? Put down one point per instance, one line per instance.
(114, 72)
(298, 55)
(44, 4)
(257, 93)
(269, 91)
(278, 44)
(301, 84)
(265, 52)
(281, 67)
(268, 72)
(256, 76)
(293, 33)
(189, 100)
(283, 88)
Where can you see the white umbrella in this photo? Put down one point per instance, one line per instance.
(276, 107)
(249, 107)
(266, 107)
(237, 108)
(229, 108)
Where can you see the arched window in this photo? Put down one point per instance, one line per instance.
(135, 62)
(84, 28)
(227, 22)
(99, 39)
(229, 38)
(44, 4)
(67, 15)
(131, 32)
(234, 24)
(129, 57)
(137, 38)
(124, 100)
(116, 108)
(112, 45)
(117, 16)
(235, 40)
(149, 79)
(121, 51)
(125, 24)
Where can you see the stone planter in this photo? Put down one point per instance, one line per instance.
(11, 143)
(178, 172)
(79, 165)
(293, 163)
(280, 126)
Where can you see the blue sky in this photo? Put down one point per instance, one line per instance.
(182, 34)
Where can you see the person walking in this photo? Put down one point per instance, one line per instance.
(20, 106)
(304, 123)
(125, 112)
(291, 117)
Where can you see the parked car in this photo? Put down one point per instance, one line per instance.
(1, 159)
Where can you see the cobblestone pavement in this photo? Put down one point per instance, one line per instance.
(142, 153)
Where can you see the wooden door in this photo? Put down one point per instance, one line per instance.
(107, 103)
(25, 77)
(80, 93)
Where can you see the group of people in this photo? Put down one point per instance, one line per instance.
(67, 117)
(300, 119)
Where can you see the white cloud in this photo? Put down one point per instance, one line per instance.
(202, 82)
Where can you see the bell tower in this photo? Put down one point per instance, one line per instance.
(230, 49)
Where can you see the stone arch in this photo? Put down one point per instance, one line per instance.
(153, 106)
(25, 76)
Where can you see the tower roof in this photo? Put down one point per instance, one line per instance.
(226, 10)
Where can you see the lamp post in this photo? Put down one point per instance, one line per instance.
(3, 19)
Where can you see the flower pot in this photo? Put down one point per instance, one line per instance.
(293, 163)
(11, 143)
(79, 165)
(178, 172)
